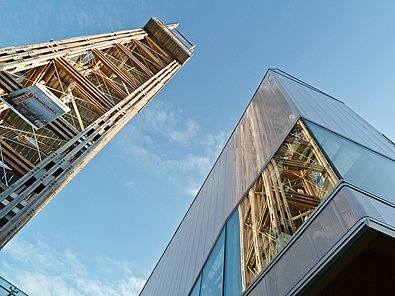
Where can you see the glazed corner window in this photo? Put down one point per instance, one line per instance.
(232, 281)
(291, 186)
(196, 289)
(213, 271)
(357, 164)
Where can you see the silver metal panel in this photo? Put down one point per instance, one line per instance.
(321, 108)
(260, 131)
(325, 229)
(276, 105)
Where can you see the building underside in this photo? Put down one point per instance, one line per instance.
(365, 268)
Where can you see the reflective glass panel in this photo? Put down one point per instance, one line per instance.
(291, 186)
(213, 271)
(232, 257)
(357, 164)
(196, 289)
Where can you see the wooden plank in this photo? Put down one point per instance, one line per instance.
(274, 219)
(96, 105)
(281, 197)
(299, 164)
(19, 164)
(121, 94)
(8, 83)
(304, 200)
(164, 54)
(149, 55)
(255, 229)
(122, 74)
(35, 75)
(21, 57)
(135, 61)
(97, 98)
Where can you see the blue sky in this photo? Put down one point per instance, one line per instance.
(103, 234)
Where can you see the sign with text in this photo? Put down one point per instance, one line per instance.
(35, 104)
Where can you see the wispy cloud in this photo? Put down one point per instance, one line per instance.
(193, 189)
(167, 143)
(166, 121)
(130, 185)
(39, 270)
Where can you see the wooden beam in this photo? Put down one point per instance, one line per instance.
(300, 164)
(271, 201)
(122, 74)
(243, 248)
(135, 61)
(149, 55)
(77, 113)
(304, 200)
(93, 102)
(35, 75)
(255, 229)
(8, 83)
(12, 158)
(97, 98)
(164, 54)
(281, 197)
(63, 128)
(119, 91)
(18, 58)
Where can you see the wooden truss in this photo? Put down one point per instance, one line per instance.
(104, 79)
(292, 185)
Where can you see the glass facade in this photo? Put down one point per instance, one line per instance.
(357, 164)
(265, 123)
(196, 289)
(291, 186)
(232, 282)
(261, 211)
(213, 272)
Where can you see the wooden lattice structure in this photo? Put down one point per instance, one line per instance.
(104, 79)
(291, 186)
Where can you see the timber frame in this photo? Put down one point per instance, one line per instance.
(105, 80)
(291, 186)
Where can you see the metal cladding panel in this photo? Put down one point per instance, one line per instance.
(259, 132)
(278, 102)
(262, 128)
(170, 41)
(324, 110)
(342, 211)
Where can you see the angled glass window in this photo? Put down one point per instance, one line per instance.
(291, 186)
(357, 164)
(213, 271)
(196, 289)
(232, 283)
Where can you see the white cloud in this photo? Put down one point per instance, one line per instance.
(215, 142)
(130, 185)
(193, 190)
(166, 121)
(184, 136)
(39, 270)
(166, 143)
